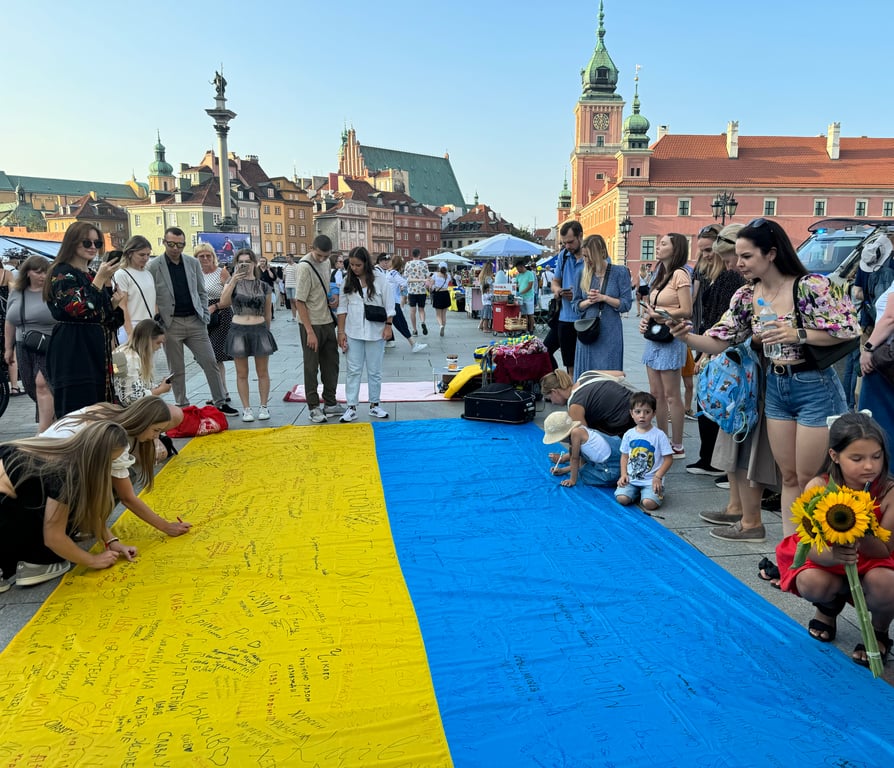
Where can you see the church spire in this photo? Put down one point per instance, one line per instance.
(600, 77)
(636, 126)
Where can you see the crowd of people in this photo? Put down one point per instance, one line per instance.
(85, 331)
(747, 287)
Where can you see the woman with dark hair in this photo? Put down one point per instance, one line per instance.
(79, 356)
(440, 295)
(137, 285)
(365, 314)
(671, 295)
(252, 302)
(799, 396)
(607, 351)
(28, 317)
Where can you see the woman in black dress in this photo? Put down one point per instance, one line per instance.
(79, 357)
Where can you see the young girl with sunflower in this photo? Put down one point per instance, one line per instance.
(857, 459)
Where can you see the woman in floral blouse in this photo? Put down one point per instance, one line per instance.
(79, 357)
(799, 396)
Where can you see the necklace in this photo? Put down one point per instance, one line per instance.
(775, 295)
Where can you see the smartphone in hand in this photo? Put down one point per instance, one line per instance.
(169, 379)
(113, 257)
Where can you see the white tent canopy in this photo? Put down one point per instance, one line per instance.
(506, 246)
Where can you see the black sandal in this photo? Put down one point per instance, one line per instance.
(768, 571)
(881, 636)
(830, 609)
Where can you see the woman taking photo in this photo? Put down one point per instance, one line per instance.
(603, 292)
(79, 356)
(143, 422)
(29, 326)
(799, 396)
(137, 285)
(669, 295)
(216, 278)
(48, 490)
(249, 336)
(365, 314)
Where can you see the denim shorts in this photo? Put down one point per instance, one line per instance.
(635, 492)
(807, 397)
(527, 306)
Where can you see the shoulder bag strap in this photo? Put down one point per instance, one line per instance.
(608, 267)
(322, 285)
(142, 295)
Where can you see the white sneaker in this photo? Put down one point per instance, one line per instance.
(29, 574)
(5, 584)
(418, 348)
(333, 410)
(317, 416)
(247, 415)
(350, 414)
(377, 411)
(390, 344)
(263, 413)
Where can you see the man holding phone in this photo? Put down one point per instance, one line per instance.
(569, 268)
(183, 306)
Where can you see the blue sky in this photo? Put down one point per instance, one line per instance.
(494, 83)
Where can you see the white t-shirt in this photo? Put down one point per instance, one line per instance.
(132, 281)
(68, 427)
(645, 451)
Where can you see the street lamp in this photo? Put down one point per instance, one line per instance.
(724, 205)
(625, 226)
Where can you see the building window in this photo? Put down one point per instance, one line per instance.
(279, 246)
(769, 207)
(266, 210)
(159, 243)
(254, 230)
(194, 219)
(647, 249)
(291, 230)
(278, 228)
(888, 208)
(301, 213)
(819, 207)
(292, 249)
(302, 231)
(195, 240)
(600, 141)
(860, 208)
(253, 213)
(291, 213)
(277, 211)
(634, 171)
(268, 228)
(158, 221)
(136, 220)
(303, 247)
(683, 205)
(600, 176)
(242, 213)
(268, 246)
(649, 207)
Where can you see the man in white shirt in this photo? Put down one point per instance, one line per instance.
(290, 280)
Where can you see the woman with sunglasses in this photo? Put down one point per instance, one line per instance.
(79, 356)
(799, 396)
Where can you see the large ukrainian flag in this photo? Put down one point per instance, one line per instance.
(488, 618)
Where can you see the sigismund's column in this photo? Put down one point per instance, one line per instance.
(222, 116)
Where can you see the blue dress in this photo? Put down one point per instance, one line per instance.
(607, 352)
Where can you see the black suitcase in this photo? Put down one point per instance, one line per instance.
(499, 402)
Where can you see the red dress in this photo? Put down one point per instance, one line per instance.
(785, 553)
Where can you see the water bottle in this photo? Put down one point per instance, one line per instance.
(767, 315)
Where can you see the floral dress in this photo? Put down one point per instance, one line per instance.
(79, 357)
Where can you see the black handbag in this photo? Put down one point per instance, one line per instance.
(658, 333)
(821, 357)
(588, 328)
(35, 341)
(374, 313)
(883, 360)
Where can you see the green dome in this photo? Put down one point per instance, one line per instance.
(600, 76)
(636, 124)
(160, 167)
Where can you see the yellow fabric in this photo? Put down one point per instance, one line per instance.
(466, 374)
(279, 632)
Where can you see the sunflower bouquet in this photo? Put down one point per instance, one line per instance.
(839, 515)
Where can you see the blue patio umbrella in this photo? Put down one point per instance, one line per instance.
(502, 246)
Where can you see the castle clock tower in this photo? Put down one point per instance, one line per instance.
(597, 125)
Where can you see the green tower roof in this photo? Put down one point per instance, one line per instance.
(600, 76)
(160, 167)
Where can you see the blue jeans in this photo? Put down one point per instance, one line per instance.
(605, 472)
(851, 373)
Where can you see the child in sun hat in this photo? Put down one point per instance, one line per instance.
(594, 458)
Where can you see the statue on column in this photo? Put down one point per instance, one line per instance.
(220, 84)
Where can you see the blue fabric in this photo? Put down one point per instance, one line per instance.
(565, 630)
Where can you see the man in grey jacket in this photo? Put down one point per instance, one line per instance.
(183, 306)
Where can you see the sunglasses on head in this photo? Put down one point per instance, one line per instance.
(172, 244)
(725, 240)
(758, 223)
(91, 243)
(709, 231)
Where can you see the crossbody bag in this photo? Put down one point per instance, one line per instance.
(588, 327)
(154, 315)
(35, 341)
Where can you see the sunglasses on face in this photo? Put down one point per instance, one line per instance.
(709, 231)
(172, 244)
(91, 243)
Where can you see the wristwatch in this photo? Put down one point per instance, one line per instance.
(802, 335)
(868, 346)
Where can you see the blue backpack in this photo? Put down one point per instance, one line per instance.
(727, 390)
